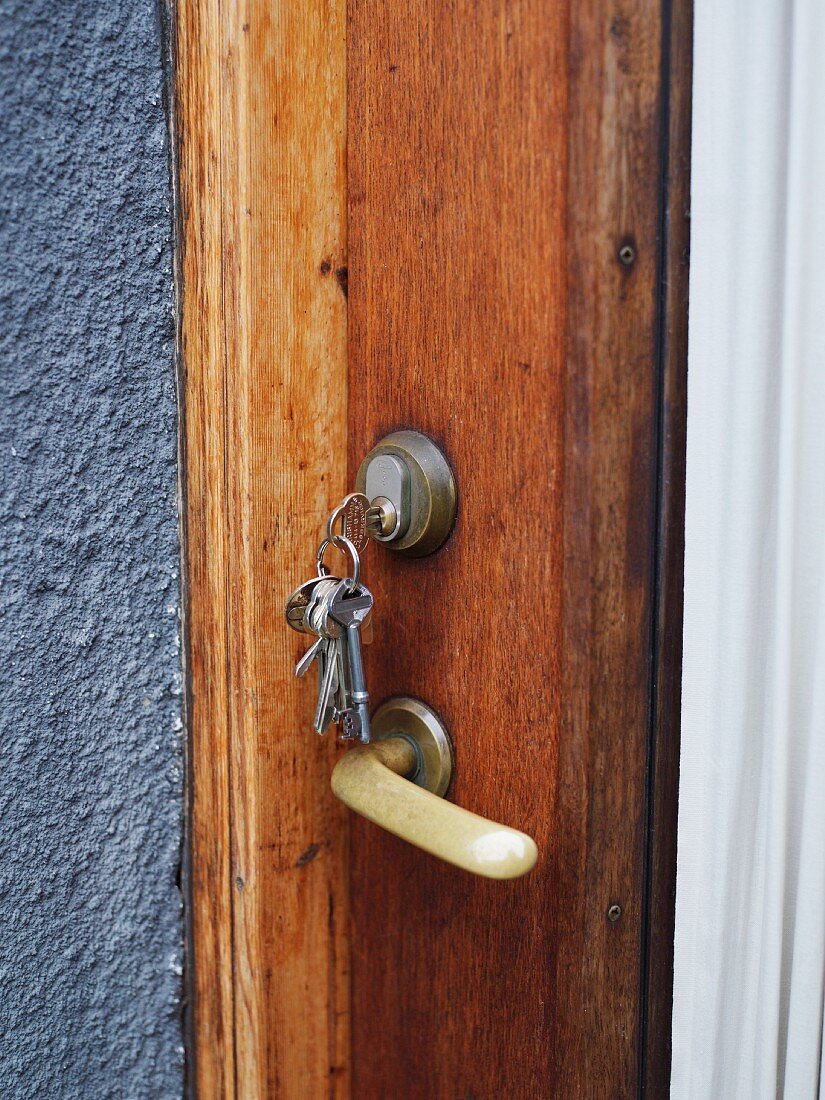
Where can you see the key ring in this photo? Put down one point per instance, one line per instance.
(340, 542)
(335, 515)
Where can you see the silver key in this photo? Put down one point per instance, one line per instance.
(315, 611)
(349, 607)
(327, 684)
(342, 706)
(313, 653)
(320, 651)
(331, 673)
(334, 651)
(305, 612)
(298, 602)
(323, 623)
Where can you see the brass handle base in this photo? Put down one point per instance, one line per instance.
(413, 720)
(413, 743)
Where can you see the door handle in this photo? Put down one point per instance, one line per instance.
(399, 775)
(398, 780)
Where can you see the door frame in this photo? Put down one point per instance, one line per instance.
(261, 269)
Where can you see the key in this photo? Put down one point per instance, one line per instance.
(322, 623)
(331, 667)
(298, 602)
(325, 710)
(333, 652)
(343, 710)
(328, 653)
(342, 693)
(313, 653)
(328, 682)
(305, 612)
(315, 611)
(349, 608)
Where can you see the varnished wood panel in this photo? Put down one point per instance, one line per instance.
(260, 119)
(503, 158)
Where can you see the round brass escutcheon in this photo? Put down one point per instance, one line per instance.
(432, 491)
(413, 720)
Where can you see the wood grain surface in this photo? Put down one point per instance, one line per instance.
(262, 260)
(505, 208)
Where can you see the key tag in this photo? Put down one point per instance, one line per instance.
(352, 514)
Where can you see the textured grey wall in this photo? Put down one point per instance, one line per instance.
(90, 723)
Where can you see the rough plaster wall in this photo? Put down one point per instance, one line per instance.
(90, 722)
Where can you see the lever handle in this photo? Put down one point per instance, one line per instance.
(381, 781)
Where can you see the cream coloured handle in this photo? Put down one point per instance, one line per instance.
(370, 780)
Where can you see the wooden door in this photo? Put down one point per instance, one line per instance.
(468, 219)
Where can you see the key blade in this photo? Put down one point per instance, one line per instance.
(350, 726)
(349, 605)
(311, 654)
(342, 687)
(327, 687)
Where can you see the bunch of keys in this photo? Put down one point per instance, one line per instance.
(335, 610)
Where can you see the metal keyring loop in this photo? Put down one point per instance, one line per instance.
(337, 514)
(340, 542)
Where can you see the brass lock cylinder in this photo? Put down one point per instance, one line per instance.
(412, 493)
